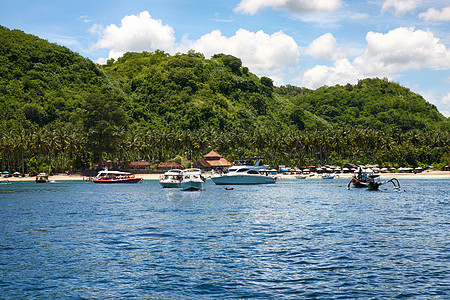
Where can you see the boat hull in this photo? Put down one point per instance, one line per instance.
(358, 184)
(125, 180)
(242, 179)
(192, 185)
(170, 184)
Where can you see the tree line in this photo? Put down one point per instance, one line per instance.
(61, 112)
(64, 147)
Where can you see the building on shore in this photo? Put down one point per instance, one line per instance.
(212, 161)
(139, 165)
(168, 165)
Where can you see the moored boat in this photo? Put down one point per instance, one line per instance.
(171, 179)
(368, 180)
(107, 176)
(245, 174)
(42, 178)
(193, 180)
(328, 176)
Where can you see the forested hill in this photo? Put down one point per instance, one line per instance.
(43, 83)
(190, 92)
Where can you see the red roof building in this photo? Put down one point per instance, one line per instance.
(165, 166)
(139, 164)
(212, 160)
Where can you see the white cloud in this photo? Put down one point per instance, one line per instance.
(342, 72)
(298, 6)
(136, 33)
(402, 49)
(386, 55)
(442, 101)
(84, 19)
(322, 48)
(433, 14)
(400, 7)
(262, 53)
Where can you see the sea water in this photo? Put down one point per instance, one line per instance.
(296, 239)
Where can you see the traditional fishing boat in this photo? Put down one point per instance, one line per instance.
(42, 178)
(107, 176)
(171, 179)
(368, 180)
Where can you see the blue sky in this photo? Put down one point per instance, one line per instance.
(306, 43)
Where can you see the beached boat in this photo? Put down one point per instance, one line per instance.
(171, 179)
(244, 175)
(193, 180)
(301, 176)
(328, 176)
(107, 176)
(42, 178)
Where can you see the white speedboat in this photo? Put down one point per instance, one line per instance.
(171, 179)
(244, 175)
(193, 180)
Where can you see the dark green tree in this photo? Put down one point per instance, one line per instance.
(104, 122)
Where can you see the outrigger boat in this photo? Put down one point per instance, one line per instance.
(107, 176)
(363, 179)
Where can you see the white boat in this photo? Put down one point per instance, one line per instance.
(301, 176)
(171, 179)
(107, 176)
(244, 175)
(328, 176)
(193, 180)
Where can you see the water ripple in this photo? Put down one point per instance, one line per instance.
(291, 240)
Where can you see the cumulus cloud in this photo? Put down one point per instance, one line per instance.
(341, 72)
(135, 33)
(386, 55)
(400, 7)
(298, 6)
(322, 48)
(262, 53)
(433, 14)
(402, 49)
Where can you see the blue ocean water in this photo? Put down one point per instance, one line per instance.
(296, 239)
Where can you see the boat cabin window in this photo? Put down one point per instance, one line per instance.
(253, 172)
(242, 170)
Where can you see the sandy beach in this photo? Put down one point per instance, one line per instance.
(429, 174)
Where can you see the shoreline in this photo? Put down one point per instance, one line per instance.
(423, 175)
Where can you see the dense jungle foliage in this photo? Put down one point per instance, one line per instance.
(60, 111)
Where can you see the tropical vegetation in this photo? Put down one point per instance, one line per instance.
(61, 112)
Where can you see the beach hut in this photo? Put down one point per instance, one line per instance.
(139, 165)
(166, 166)
(212, 160)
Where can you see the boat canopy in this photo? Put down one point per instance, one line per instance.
(117, 173)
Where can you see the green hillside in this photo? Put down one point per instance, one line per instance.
(60, 110)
